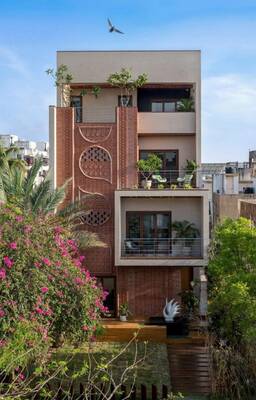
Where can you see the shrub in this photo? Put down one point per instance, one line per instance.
(43, 281)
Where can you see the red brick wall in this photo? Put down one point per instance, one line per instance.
(79, 146)
(146, 288)
(127, 147)
(64, 146)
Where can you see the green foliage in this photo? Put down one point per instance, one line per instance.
(186, 105)
(190, 301)
(43, 280)
(150, 165)
(232, 307)
(95, 91)
(191, 166)
(124, 309)
(126, 82)
(20, 190)
(61, 76)
(185, 229)
(62, 79)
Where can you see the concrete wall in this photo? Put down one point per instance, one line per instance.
(173, 122)
(161, 66)
(185, 144)
(182, 209)
(247, 209)
(227, 205)
(102, 108)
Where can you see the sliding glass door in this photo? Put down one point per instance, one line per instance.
(148, 233)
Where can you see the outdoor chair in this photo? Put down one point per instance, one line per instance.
(186, 180)
(159, 178)
(131, 247)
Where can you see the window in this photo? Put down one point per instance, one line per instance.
(76, 102)
(148, 233)
(163, 106)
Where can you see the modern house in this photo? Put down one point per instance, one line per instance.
(97, 142)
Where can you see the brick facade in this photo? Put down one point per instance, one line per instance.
(101, 157)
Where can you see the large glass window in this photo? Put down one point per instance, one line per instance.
(76, 102)
(163, 106)
(148, 233)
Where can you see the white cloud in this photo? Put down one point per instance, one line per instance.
(228, 117)
(10, 60)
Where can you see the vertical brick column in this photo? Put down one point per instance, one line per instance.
(64, 147)
(127, 149)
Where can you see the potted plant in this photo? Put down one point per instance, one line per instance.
(124, 312)
(185, 232)
(62, 80)
(190, 302)
(191, 167)
(186, 105)
(147, 167)
(126, 83)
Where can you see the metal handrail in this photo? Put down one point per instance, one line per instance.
(157, 247)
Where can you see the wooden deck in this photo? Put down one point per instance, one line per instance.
(188, 356)
(117, 331)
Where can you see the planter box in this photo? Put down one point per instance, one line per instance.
(179, 327)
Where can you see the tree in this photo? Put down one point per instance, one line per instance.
(232, 308)
(126, 83)
(8, 159)
(20, 189)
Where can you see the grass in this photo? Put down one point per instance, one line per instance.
(154, 369)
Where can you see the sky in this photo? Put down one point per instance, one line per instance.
(225, 31)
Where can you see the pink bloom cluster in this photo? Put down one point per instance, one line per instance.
(8, 262)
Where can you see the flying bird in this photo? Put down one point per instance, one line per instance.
(112, 28)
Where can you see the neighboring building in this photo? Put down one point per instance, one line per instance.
(227, 183)
(28, 151)
(247, 209)
(98, 143)
(8, 140)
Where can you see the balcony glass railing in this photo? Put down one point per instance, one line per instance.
(167, 247)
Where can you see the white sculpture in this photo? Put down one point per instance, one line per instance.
(170, 310)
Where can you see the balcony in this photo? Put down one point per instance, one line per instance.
(145, 232)
(167, 123)
(172, 179)
(167, 247)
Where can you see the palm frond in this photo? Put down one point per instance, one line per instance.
(39, 195)
(87, 240)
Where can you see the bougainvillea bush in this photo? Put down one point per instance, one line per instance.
(45, 289)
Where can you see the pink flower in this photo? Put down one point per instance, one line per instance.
(19, 218)
(58, 229)
(77, 263)
(46, 261)
(27, 228)
(81, 258)
(85, 328)
(2, 313)
(21, 377)
(39, 310)
(13, 245)
(2, 273)
(8, 262)
(44, 289)
(78, 281)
